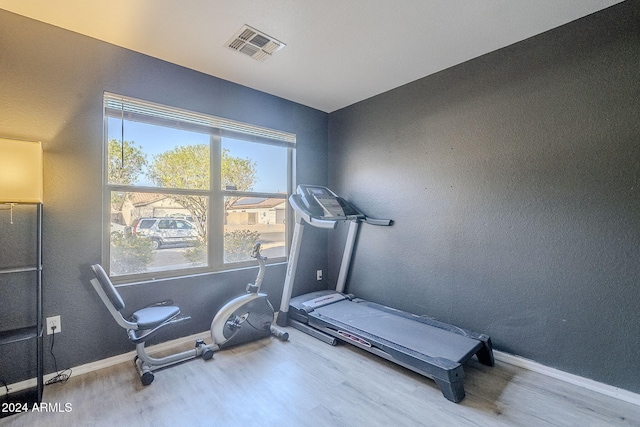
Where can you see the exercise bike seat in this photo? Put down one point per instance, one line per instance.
(150, 317)
(143, 323)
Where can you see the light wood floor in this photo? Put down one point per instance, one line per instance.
(305, 382)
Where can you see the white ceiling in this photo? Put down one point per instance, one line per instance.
(337, 52)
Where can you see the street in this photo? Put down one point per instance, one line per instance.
(172, 256)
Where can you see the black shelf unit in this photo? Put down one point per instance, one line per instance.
(33, 332)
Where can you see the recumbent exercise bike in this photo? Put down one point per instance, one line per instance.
(246, 318)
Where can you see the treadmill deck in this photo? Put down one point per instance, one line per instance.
(402, 331)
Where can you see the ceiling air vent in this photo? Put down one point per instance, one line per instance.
(254, 43)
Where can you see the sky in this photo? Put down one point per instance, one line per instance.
(271, 161)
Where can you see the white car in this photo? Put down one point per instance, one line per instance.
(166, 231)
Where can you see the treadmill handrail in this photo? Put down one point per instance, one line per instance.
(374, 221)
(330, 222)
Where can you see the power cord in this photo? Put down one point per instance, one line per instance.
(61, 376)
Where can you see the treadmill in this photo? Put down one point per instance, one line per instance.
(429, 347)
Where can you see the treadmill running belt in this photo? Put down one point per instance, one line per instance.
(429, 340)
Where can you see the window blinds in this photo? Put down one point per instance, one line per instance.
(118, 106)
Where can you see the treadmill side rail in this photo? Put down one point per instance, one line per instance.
(447, 374)
(485, 354)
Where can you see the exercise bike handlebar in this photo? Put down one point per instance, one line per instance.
(255, 253)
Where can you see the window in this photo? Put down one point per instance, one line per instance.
(187, 192)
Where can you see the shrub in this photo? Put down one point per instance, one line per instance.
(130, 254)
(238, 244)
(197, 254)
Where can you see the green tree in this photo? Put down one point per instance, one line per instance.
(237, 173)
(188, 167)
(126, 163)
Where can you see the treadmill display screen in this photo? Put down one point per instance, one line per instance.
(318, 191)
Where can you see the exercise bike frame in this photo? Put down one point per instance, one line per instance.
(237, 313)
(148, 321)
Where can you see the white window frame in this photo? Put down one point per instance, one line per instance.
(128, 108)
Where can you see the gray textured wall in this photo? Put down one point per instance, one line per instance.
(514, 181)
(51, 87)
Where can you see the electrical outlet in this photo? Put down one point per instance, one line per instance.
(54, 322)
(319, 275)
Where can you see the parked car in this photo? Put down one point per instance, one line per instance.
(166, 231)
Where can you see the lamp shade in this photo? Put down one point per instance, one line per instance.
(20, 171)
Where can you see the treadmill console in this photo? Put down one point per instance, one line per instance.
(324, 203)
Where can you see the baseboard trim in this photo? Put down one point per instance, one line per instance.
(500, 356)
(111, 361)
(167, 345)
(576, 380)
